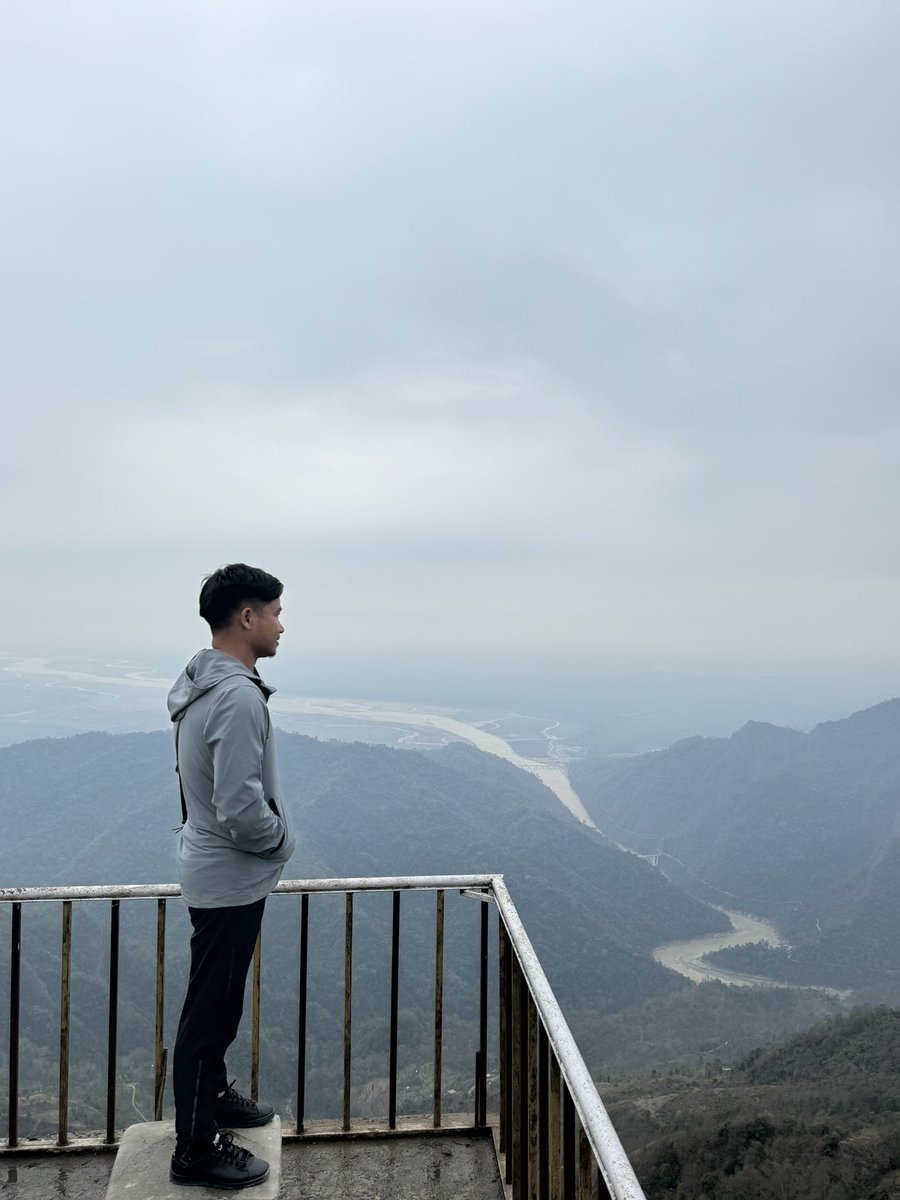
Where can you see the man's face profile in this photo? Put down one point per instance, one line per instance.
(265, 628)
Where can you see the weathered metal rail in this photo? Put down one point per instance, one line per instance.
(555, 1137)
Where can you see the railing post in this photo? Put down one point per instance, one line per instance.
(113, 1022)
(395, 1001)
(585, 1166)
(301, 1011)
(554, 1139)
(533, 1176)
(159, 1053)
(543, 1114)
(568, 1107)
(65, 981)
(348, 1002)
(438, 1005)
(254, 1019)
(481, 1082)
(504, 1033)
(514, 1142)
(15, 976)
(524, 1084)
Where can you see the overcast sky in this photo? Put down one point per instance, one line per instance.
(543, 331)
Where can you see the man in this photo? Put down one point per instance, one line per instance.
(232, 847)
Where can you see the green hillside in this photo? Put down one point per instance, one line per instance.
(816, 1117)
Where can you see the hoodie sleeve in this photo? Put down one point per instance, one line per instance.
(237, 726)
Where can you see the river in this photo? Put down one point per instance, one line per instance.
(553, 777)
(688, 958)
(684, 957)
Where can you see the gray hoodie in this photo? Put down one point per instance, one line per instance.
(237, 837)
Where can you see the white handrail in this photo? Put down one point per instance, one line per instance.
(159, 891)
(608, 1150)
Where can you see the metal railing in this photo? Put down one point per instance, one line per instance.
(555, 1138)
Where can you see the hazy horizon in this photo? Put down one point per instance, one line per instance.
(631, 710)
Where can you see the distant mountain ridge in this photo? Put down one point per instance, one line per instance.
(801, 828)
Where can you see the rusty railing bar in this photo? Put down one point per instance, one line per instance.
(301, 1012)
(159, 1055)
(504, 1033)
(553, 1120)
(348, 1003)
(113, 1021)
(481, 1082)
(65, 986)
(438, 1006)
(533, 1162)
(395, 1009)
(254, 1018)
(524, 1074)
(159, 1093)
(568, 1138)
(15, 979)
(514, 1123)
(543, 1113)
(585, 1166)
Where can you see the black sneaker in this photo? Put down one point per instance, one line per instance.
(234, 1111)
(225, 1165)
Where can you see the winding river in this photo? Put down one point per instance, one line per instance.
(688, 958)
(553, 777)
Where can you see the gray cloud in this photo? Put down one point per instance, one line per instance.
(517, 325)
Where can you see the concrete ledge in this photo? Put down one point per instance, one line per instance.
(460, 1166)
(141, 1171)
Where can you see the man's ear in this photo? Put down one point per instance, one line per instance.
(245, 615)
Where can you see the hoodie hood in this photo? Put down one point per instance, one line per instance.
(206, 669)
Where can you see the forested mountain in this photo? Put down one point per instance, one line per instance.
(100, 808)
(710, 1024)
(801, 828)
(817, 1116)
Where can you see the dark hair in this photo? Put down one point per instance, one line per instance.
(230, 588)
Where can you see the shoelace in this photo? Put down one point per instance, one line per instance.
(233, 1097)
(237, 1155)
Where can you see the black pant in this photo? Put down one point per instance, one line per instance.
(221, 952)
